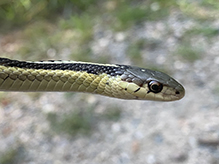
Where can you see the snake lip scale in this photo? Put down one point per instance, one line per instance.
(113, 80)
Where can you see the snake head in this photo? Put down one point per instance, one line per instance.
(152, 85)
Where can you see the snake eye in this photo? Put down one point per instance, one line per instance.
(155, 86)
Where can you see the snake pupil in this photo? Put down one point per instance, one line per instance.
(155, 86)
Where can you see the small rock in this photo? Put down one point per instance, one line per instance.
(208, 141)
(180, 156)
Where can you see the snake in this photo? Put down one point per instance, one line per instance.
(112, 80)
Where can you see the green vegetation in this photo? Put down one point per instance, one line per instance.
(82, 25)
(112, 113)
(188, 49)
(23, 11)
(128, 13)
(216, 91)
(135, 48)
(134, 51)
(77, 122)
(11, 156)
(203, 31)
(189, 53)
(124, 13)
(80, 14)
(203, 10)
(81, 121)
(69, 24)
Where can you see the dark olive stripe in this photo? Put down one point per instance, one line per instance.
(86, 67)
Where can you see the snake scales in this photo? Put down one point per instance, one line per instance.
(113, 80)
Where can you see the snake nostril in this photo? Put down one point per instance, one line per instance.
(177, 92)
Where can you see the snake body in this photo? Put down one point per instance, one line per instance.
(113, 80)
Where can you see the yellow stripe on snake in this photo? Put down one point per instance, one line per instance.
(113, 80)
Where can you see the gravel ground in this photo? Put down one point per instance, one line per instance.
(147, 132)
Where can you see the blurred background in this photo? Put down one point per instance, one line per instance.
(178, 37)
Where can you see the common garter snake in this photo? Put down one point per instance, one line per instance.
(113, 80)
